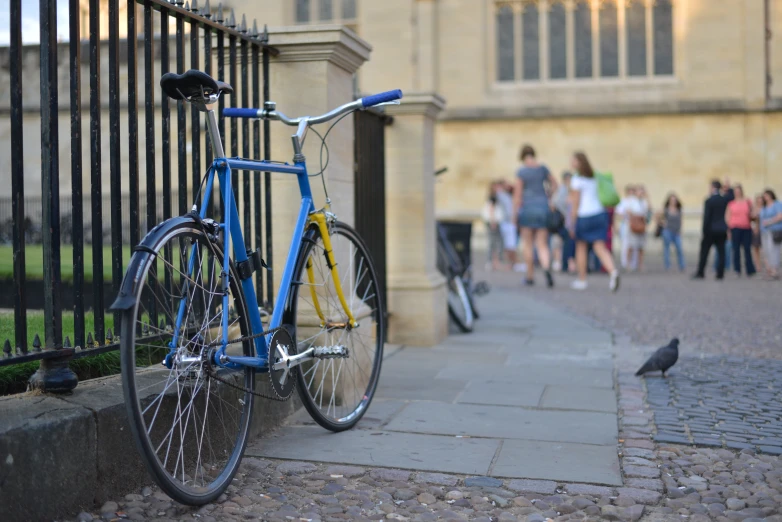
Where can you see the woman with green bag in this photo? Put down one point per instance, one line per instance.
(589, 215)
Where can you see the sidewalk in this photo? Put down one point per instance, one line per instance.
(529, 394)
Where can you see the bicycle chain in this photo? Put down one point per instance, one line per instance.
(214, 376)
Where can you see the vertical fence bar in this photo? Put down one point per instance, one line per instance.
(257, 155)
(115, 160)
(221, 77)
(208, 70)
(17, 177)
(267, 181)
(165, 114)
(50, 176)
(76, 175)
(234, 124)
(181, 118)
(246, 144)
(132, 42)
(149, 123)
(95, 172)
(195, 117)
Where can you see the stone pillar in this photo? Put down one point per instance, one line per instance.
(312, 74)
(416, 290)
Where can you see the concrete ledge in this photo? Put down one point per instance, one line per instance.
(63, 454)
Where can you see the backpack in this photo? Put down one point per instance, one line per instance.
(606, 190)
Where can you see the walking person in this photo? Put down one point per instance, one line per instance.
(624, 229)
(715, 229)
(671, 223)
(771, 232)
(561, 202)
(493, 215)
(591, 223)
(531, 202)
(635, 210)
(757, 255)
(510, 234)
(738, 216)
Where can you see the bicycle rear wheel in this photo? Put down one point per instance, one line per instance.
(337, 390)
(191, 429)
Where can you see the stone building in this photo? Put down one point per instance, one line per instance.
(669, 93)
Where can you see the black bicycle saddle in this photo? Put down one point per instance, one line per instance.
(192, 83)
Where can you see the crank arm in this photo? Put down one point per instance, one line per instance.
(294, 360)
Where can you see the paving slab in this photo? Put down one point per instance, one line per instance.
(579, 398)
(504, 393)
(377, 448)
(506, 423)
(537, 374)
(564, 462)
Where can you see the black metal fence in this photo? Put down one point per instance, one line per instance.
(215, 43)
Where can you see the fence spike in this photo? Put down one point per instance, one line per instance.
(7, 348)
(219, 13)
(243, 27)
(67, 343)
(231, 19)
(179, 2)
(254, 34)
(109, 335)
(194, 6)
(37, 343)
(265, 35)
(162, 324)
(144, 328)
(207, 12)
(187, 6)
(17, 351)
(89, 341)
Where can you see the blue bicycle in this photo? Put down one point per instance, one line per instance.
(192, 335)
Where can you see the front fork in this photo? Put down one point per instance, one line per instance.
(319, 218)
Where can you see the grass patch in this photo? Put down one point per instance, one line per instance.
(13, 378)
(35, 325)
(34, 262)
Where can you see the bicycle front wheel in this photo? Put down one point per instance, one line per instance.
(190, 418)
(459, 307)
(338, 384)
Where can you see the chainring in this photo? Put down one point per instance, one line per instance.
(282, 381)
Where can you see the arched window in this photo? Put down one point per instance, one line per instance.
(302, 11)
(557, 39)
(326, 13)
(582, 41)
(635, 22)
(662, 16)
(609, 40)
(530, 46)
(506, 41)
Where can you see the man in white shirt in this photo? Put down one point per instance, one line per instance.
(634, 209)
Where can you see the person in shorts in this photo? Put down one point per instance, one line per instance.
(591, 223)
(534, 183)
(508, 230)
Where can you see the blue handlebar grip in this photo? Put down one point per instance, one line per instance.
(383, 97)
(234, 112)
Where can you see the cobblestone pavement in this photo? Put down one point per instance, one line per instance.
(716, 401)
(732, 317)
(288, 490)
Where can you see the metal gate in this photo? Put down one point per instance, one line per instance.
(370, 190)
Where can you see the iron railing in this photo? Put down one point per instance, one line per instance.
(214, 43)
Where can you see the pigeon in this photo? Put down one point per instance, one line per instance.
(662, 359)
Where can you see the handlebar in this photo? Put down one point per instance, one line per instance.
(272, 114)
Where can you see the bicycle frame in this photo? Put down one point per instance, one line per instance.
(231, 227)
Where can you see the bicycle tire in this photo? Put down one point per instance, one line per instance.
(459, 308)
(211, 474)
(372, 327)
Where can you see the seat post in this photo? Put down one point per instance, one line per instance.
(214, 132)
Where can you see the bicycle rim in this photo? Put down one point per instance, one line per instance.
(459, 304)
(190, 428)
(338, 391)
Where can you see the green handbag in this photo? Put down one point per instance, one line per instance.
(606, 191)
